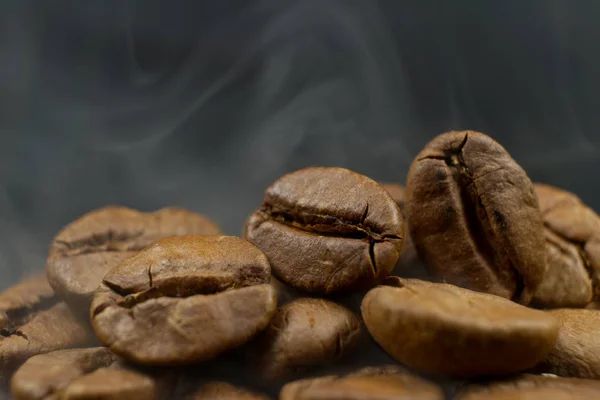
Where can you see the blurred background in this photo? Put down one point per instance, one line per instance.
(202, 104)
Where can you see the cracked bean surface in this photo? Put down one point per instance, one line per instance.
(86, 249)
(474, 217)
(184, 299)
(328, 230)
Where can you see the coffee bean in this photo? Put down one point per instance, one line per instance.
(184, 299)
(328, 230)
(572, 232)
(305, 333)
(49, 374)
(474, 218)
(112, 383)
(21, 302)
(364, 385)
(90, 373)
(577, 350)
(443, 329)
(224, 391)
(532, 387)
(84, 251)
(45, 331)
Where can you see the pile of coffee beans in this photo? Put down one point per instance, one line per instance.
(471, 282)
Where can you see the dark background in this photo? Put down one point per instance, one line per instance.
(202, 104)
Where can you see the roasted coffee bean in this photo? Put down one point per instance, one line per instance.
(305, 333)
(474, 218)
(532, 387)
(374, 384)
(328, 230)
(49, 374)
(112, 384)
(577, 350)
(84, 251)
(46, 331)
(21, 302)
(224, 391)
(184, 299)
(91, 373)
(572, 232)
(447, 330)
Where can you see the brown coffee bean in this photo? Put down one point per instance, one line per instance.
(21, 302)
(532, 387)
(49, 374)
(85, 250)
(111, 383)
(184, 299)
(46, 331)
(224, 391)
(364, 385)
(91, 373)
(447, 330)
(474, 218)
(328, 230)
(305, 333)
(572, 232)
(577, 350)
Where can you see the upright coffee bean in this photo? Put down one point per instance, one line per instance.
(572, 232)
(84, 251)
(443, 329)
(577, 350)
(184, 299)
(328, 230)
(305, 333)
(474, 218)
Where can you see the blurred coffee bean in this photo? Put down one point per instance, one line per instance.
(49, 374)
(305, 333)
(474, 218)
(443, 329)
(572, 232)
(532, 387)
(86, 249)
(369, 384)
(577, 350)
(224, 391)
(184, 299)
(21, 302)
(112, 383)
(328, 230)
(45, 331)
